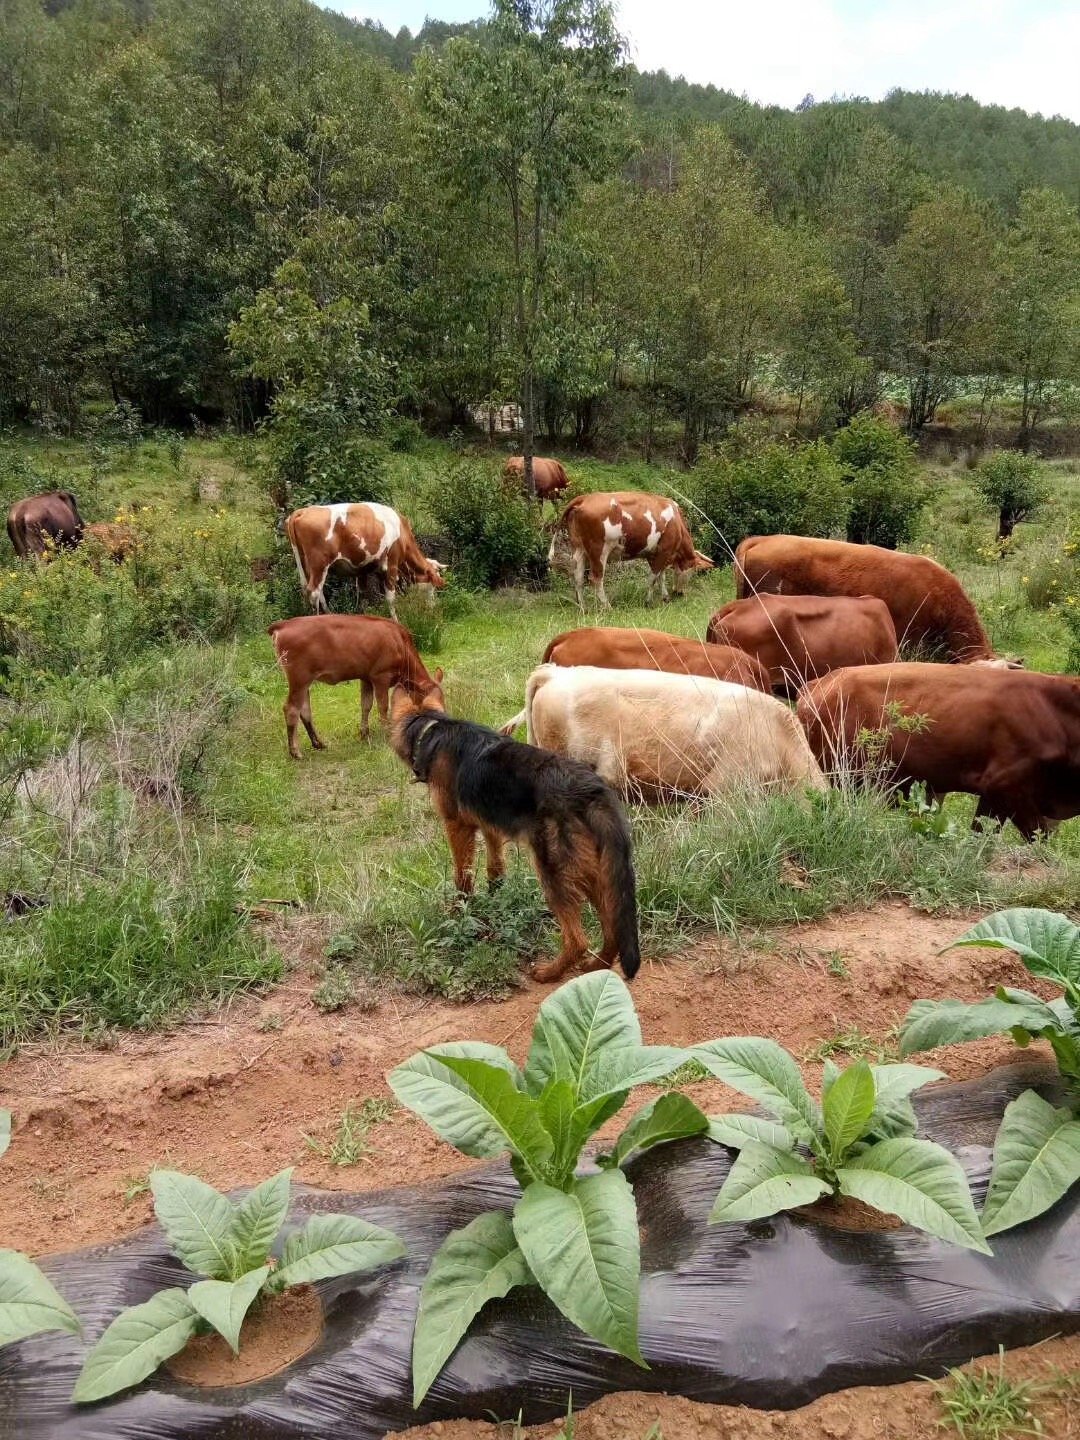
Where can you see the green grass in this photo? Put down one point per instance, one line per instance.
(855, 1044)
(986, 1405)
(348, 1145)
(346, 832)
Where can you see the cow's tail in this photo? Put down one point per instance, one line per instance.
(743, 588)
(535, 682)
(562, 524)
(618, 890)
(296, 556)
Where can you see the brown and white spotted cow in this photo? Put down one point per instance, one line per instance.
(360, 537)
(624, 525)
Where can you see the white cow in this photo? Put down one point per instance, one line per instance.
(659, 735)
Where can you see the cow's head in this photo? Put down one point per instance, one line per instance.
(429, 572)
(1001, 662)
(696, 561)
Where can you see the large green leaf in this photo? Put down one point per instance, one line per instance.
(5, 1130)
(582, 1247)
(848, 1107)
(330, 1245)
(893, 1114)
(736, 1130)
(257, 1220)
(472, 1266)
(224, 1303)
(473, 1105)
(921, 1183)
(135, 1344)
(1046, 941)
(763, 1181)
(669, 1117)
(931, 1023)
(619, 1069)
(761, 1069)
(28, 1301)
(1036, 1161)
(198, 1221)
(480, 1050)
(575, 1024)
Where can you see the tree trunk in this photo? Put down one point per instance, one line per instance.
(1006, 525)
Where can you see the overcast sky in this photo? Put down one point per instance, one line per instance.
(1006, 52)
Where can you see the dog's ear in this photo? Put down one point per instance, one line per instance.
(439, 675)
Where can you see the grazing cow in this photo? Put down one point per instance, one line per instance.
(549, 477)
(613, 649)
(49, 521)
(333, 648)
(624, 525)
(1012, 738)
(926, 602)
(661, 736)
(359, 537)
(119, 540)
(800, 637)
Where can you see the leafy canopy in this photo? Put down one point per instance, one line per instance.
(229, 1244)
(861, 1142)
(574, 1236)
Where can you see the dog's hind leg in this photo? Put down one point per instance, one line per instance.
(494, 843)
(575, 943)
(462, 840)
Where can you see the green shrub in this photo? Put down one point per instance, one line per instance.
(886, 496)
(773, 489)
(491, 533)
(1012, 484)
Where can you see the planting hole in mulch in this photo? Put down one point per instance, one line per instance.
(276, 1332)
(841, 1212)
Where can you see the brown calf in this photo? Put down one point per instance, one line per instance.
(334, 648)
(799, 637)
(549, 477)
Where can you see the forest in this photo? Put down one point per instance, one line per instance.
(260, 212)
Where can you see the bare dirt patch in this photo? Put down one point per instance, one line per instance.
(275, 1333)
(873, 1412)
(231, 1098)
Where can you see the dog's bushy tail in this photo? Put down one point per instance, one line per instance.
(618, 889)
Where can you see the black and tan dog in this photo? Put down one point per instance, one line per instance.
(573, 824)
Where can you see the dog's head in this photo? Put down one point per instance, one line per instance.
(409, 701)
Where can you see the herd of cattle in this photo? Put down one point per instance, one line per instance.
(817, 622)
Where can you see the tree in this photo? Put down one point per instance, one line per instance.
(944, 277)
(532, 109)
(1014, 486)
(1040, 320)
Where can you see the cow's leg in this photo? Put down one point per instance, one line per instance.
(1024, 816)
(298, 706)
(494, 844)
(597, 572)
(390, 581)
(367, 697)
(317, 595)
(578, 572)
(382, 699)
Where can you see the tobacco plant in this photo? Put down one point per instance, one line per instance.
(229, 1244)
(28, 1301)
(860, 1142)
(576, 1236)
(1037, 1147)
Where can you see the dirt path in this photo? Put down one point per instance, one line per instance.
(232, 1100)
(894, 1412)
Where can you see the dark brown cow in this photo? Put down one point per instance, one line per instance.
(614, 649)
(333, 648)
(549, 477)
(623, 525)
(926, 602)
(360, 537)
(1010, 737)
(40, 523)
(800, 637)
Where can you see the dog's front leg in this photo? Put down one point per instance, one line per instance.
(462, 840)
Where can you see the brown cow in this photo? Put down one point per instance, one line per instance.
(549, 477)
(334, 648)
(40, 523)
(800, 637)
(926, 602)
(613, 649)
(119, 540)
(623, 525)
(359, 537)
(1010, 737)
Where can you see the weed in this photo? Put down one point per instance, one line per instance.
(334, 991)
(984, 1405)
(135, 1185)
(837, 966)
(271, 1021)
(690, 1072)
(349, 1143)
(854, 1043)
